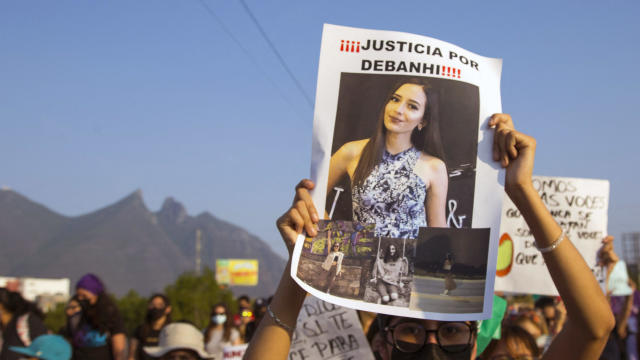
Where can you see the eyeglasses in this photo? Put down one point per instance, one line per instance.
(411, 337)
(517, 357)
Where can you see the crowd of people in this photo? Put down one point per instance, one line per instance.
(582, 323)
(94, 328)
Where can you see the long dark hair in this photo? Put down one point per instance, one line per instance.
(226, 335)
(426, 140)
(148, 323)
(14, 303)
(387, 253)
(101, 314)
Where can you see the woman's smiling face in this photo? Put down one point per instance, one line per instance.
(405, 109)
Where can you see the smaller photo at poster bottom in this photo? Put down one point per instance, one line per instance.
(450, 269)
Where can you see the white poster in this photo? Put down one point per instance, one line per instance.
(403, 169)
(580, 208)
(328, 331)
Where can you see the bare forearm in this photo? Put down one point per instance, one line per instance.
(272, 341)
(587, 307)
(118, 343)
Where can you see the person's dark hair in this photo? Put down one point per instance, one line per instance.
(100, 315)
(243, 297)
(512, 334)
(387, 253)
(228, 325)
(14, 303)
(543, 302)
(427, 140)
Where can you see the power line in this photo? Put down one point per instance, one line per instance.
(275, 51)
(213, 15)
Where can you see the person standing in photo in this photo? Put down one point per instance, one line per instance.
(387, 274)
(449, 282)
(398, 176)
(158, 315)
(332, 265)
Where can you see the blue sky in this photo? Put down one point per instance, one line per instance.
(98, 99)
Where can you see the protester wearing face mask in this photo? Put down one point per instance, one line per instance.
(589, 319)
(73, 314)
(158, 315)
(101, 333)
(220, 332)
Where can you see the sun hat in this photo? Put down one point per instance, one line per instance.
(179, 336)
(46, 347)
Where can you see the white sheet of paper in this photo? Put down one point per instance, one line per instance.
(579, 206)
(358, 65)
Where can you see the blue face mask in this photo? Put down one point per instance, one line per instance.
(219, 319)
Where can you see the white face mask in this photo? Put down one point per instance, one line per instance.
(219, 319)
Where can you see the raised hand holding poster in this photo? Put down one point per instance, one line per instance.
(403, 170)
(580, 208)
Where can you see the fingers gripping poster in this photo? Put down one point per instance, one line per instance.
(579, 206)
(404, 177)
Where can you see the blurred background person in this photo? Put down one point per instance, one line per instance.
(514, 343)
(73, 315)
(46, 347)
(620, 298)
(158, 315)
(21, 322)
(259, 309)
(245, 317)
(244, 302)
(554, 313)
(220, 332)
(101, 333)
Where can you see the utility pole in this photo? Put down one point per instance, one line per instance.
(198, 248)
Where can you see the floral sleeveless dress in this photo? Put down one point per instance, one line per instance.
(392, 196)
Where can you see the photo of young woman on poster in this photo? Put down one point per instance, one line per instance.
(388, 272)
(398, 176)
(332, 265)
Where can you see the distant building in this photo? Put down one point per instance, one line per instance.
(45, 292)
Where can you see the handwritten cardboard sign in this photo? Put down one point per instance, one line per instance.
(328, 331)
(580, 208)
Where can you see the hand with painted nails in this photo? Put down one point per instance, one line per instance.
(515, 151)
(302, 215)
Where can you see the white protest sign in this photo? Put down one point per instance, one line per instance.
(401, 143)
(234, 352)
(580, 208)
(328, 331)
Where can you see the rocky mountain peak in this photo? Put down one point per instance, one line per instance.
(173, 211)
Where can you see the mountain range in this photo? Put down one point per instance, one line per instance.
(126, 244)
